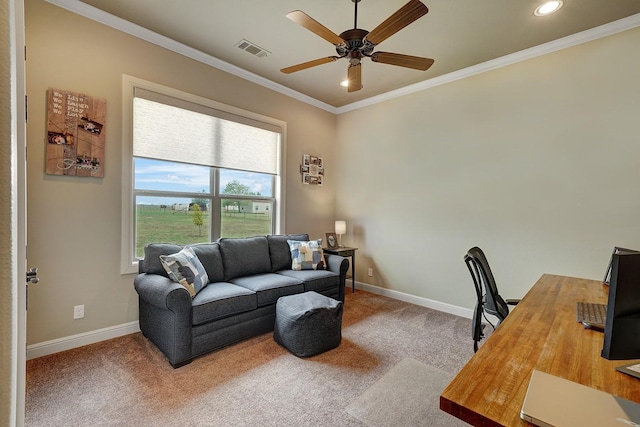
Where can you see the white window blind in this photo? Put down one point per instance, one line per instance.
(168, 128)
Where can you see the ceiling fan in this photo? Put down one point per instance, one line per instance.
(356, 43)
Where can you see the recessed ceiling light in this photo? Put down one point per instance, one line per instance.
(548, 8)
(344, 83)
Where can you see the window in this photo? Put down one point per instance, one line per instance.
(199, 170)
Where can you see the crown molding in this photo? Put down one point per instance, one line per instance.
(611, 28)
(95, 14)
(90, 12)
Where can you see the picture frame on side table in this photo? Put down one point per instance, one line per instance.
(332, 241)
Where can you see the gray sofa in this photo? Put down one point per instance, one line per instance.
(246, 278)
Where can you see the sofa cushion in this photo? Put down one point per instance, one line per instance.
(211, 258)
(270, 286)
(314, 280)
(151, 263)
(279, 249)
(244, 257)
(222, 299)
(185, 268)
(306, 255)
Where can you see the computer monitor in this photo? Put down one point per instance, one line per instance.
(622, 324)
(616, 250)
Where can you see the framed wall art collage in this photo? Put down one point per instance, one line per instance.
(312, 170)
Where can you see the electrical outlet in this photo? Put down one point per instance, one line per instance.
(78, 311)
(370, 272)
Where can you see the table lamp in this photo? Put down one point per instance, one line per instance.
(341, 228)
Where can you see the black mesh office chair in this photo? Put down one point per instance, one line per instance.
(489, 300)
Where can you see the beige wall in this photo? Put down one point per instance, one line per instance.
(538, 163)
(74, 223)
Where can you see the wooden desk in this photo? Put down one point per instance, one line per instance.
(541, 332)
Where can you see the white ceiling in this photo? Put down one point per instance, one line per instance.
(456, 33)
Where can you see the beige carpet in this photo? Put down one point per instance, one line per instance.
(128, 382)
(407, 395)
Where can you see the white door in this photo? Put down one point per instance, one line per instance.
(20, 213)
(13, 211)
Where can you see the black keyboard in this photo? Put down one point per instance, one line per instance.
(591, 312)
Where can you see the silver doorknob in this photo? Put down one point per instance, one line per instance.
(32, 275)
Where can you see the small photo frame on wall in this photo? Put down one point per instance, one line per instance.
(312, 170)
(332, 240)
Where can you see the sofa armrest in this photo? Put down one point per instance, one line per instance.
(339, 265)
(165, 316)
(162, 292)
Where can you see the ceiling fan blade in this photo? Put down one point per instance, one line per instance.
(403, 17)
(309, 64)
(354, 75)
(408, 61)
(301, 18)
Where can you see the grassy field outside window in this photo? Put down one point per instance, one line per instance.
(164, 225)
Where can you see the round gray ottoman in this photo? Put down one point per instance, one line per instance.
(308, 324)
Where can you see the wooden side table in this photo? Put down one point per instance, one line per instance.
(346, 251)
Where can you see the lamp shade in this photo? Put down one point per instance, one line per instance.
(341, 227)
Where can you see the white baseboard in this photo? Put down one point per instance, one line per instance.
(67, 343)
(424, 302)
(74, 341)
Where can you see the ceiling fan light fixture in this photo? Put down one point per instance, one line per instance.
(548, 8)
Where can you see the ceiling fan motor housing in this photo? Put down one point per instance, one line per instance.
(354, 43)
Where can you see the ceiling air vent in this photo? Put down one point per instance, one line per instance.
(253, 48)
